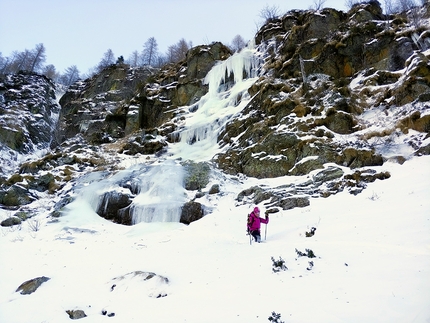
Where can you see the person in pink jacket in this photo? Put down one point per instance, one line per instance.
(254, 223)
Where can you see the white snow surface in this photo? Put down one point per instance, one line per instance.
(372, 264)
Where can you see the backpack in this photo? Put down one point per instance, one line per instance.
(250, 221)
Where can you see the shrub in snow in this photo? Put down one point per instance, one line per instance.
(311, 265)
(278, 265)
(374, 197)
(311, 232)
(275, 318)
(308, 253)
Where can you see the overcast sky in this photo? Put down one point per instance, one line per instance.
(79, 32)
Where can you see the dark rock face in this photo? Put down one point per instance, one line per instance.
(30, 286)
(215, 189)
(98, 107)
(113, 207)
(26, 108)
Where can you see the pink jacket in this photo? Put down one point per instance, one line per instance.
(255, 222)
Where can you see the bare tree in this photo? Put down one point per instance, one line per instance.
(413, 11)
(70, 76)
(178, 52)
(318, 4)
(269, 13)
(50, 72)
(160, 61)
(38, 57)
(134, 58)
(237, 43)
(351, 3)
(108, 59)
(150, 52)
(4, 63)
(27, 60)
(21, 61)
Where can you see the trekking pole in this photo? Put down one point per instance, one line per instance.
(265, 232)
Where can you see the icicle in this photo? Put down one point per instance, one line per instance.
(242, 65)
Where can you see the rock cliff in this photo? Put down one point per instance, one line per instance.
(336, 93)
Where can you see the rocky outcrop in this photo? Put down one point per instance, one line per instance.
(121, 100)
(76, 314)
(27, 104)
(196, 175)
(28, 117)
(11, 221)
(335, 91)
(97, 107)
(191, 211)
(113, 206)
(153, 284)
(322, 183)
(175, 86)
(30, 286)
(309, 98)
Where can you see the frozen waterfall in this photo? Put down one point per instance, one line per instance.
(161, 194)
(228, 83)
(159, 189)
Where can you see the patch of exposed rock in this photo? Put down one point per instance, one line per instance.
(323, 183)
(76, 314)
(30, 286)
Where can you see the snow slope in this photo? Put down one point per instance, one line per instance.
(372, 264)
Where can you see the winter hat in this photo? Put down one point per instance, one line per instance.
(256, 210)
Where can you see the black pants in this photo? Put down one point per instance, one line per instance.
(256, 235)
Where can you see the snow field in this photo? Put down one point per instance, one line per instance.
(372, 264)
